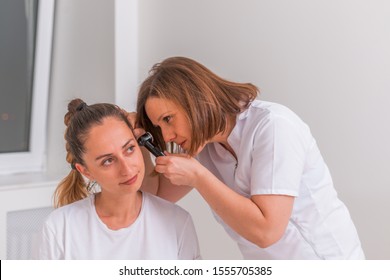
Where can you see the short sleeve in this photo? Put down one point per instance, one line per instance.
(278, 156)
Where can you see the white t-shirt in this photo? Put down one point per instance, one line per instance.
(278, 155)
(161, 231)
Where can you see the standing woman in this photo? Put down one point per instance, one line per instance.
(254, 162)
(119, 221)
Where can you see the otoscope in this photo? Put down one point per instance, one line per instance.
(146, 141)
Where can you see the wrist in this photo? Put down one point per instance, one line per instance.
(200, 175)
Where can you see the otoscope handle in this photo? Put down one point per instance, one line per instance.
(153, 149)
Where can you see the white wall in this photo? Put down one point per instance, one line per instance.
(82, 66)
(327, 60)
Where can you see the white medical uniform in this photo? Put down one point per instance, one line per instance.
(162, 231)
(276, 154)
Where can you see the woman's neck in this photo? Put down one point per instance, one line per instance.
(222, 138)
(118, 212)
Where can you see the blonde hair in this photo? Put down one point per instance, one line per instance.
(207, 99)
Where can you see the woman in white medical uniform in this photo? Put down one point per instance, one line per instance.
(119, 221)
(254, 162)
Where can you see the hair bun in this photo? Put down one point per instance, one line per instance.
(74, 106)
(81, 106)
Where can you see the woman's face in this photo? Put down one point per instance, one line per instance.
(171, 119)
(113, 158)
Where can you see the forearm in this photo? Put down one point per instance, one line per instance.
(237, 211)
(171, 192)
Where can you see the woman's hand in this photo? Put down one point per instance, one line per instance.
(179, 169)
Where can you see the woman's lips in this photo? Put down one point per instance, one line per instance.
(130, 181)
(182, 144)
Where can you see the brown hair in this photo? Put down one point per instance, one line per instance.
(79, 119)
(207, 99)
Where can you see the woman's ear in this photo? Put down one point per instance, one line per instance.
(83, 170)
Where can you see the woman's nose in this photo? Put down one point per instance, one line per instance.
(168, 135)
(125, 166)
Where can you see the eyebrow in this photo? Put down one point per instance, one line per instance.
(106, 155)
(160, 117)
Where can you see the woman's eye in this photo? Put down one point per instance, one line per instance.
(107, 162)
(130, 149)
(167, 119)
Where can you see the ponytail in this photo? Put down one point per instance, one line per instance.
(72, 188)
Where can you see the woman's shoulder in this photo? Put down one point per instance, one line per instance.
(163, 207)
(166, 215)
(261, 113)
(72, 209)
(268, 109)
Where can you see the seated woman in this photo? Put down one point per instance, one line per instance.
(119, 221)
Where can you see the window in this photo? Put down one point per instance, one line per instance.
(25, 50)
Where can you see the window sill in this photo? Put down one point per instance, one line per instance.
(28, 180)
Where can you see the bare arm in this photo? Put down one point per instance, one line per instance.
(171, 192)
(151, 179)
(261, 219)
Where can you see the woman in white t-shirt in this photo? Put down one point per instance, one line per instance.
(119, 221)
(254, 162)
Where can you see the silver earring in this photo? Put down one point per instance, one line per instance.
(91, 185)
